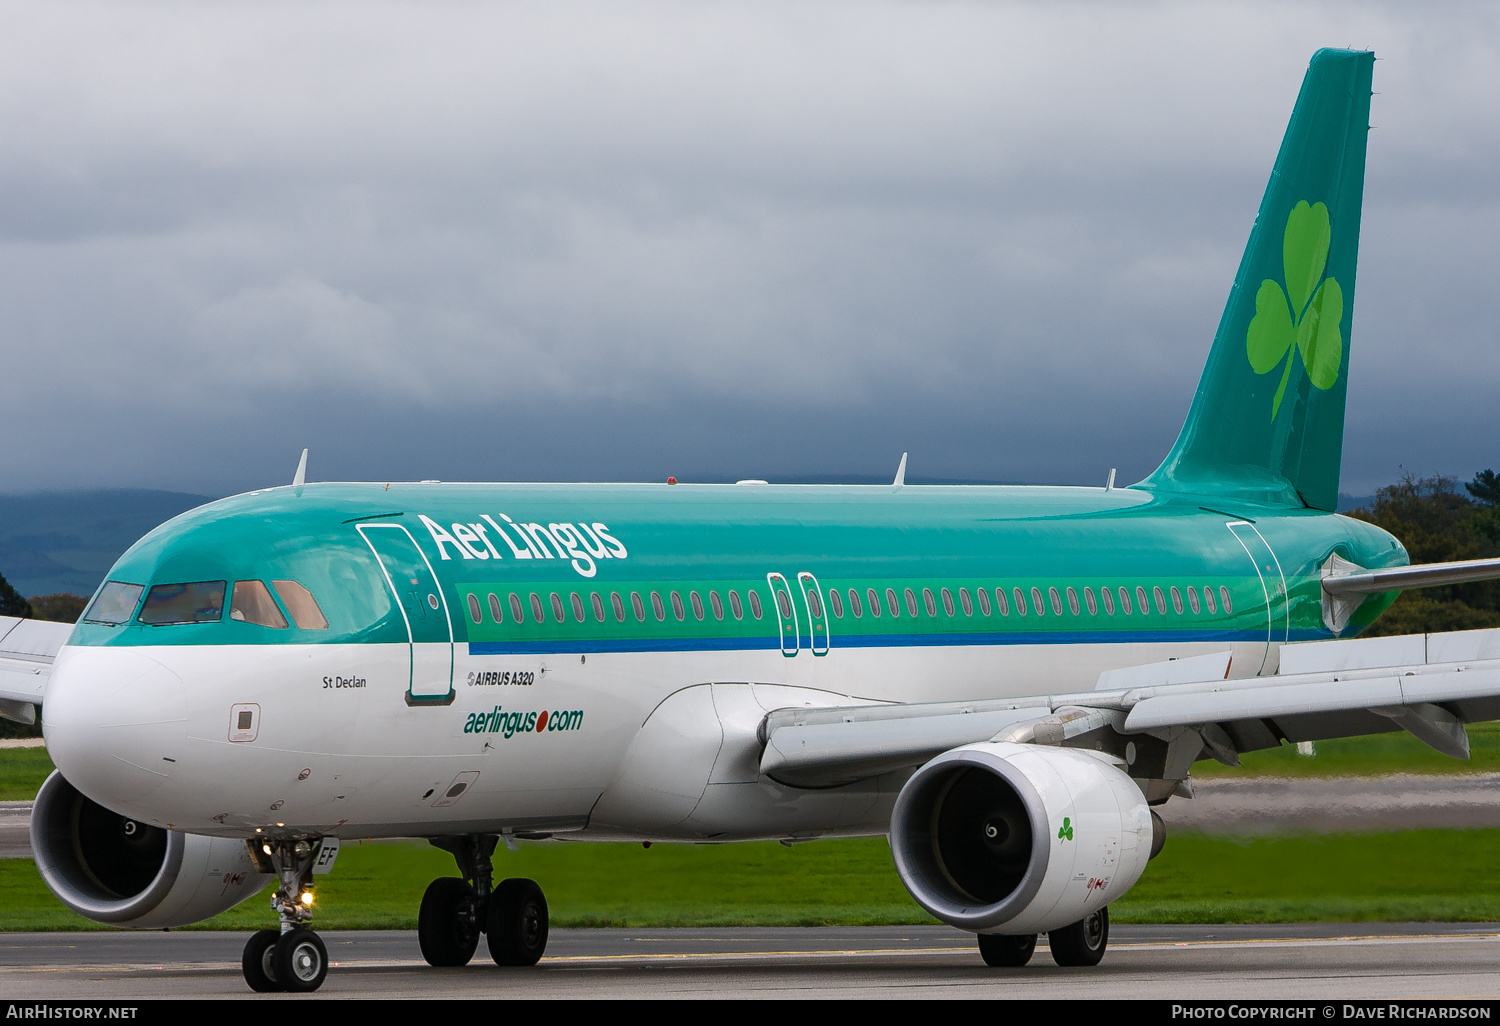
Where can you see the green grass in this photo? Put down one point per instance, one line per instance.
(1435, 875)
(22, 771)
(1370, 756)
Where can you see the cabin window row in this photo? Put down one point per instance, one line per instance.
(1127, 604)
(518, 607)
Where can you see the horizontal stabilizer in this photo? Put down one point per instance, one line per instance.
(1420, 575)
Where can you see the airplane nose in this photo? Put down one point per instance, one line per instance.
(114, 719)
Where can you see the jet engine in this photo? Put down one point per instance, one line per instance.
(119, 871)
(1018, 839)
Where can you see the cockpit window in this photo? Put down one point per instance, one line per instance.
(303, 607)
(197, 602)
(252, 603)
(115, 603)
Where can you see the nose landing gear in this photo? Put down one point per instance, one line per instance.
(454, 912)
(292, 958)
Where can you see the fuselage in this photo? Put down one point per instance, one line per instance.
(514, 638)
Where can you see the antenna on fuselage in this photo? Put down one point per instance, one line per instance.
(901, 472)
(300, 477)
(1109, 485)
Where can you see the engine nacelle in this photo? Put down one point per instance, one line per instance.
(119, 871)
(1015, 839)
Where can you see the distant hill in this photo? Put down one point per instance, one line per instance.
(66, 541)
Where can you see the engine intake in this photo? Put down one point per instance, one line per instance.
(123, 872)
(1011, 838)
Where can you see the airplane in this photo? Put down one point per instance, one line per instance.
(1004, 681)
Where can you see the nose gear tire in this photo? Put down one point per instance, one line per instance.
(300, 961)
(256, 961)
(517, 929)
(447, 923)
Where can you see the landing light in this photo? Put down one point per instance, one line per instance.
(307, 897)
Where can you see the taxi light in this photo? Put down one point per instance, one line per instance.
(307, 897)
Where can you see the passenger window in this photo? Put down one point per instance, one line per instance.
(814, 605)
(784, 604)
(1208, 597)
(929, 602)
(754, 603)
(717, 604)
(618, 604)
(697, 604)
(677, 606)
(1020, 598)
(1000, 603)
(1193, 600)
(1177, 600)
(1088, 598)
(598, 604)
(1125, 601)
(891, 604)
(1224, 601)
(734, 605)
(1073, 601)
(1141, 601)
(537, 612)
(911, 602)
(1036, 602)
(1161, 600)
(495, 608)
(1109, 600)
(983, 595)
(874, 602)
(657, 607)
(965, 601)
(854, 605)
(252, 603)
(577, 603)
(638, 606)
(199, 602)
(474, 613)
(115, 603)
(517, 611)
(1056, 601)
(836, 603)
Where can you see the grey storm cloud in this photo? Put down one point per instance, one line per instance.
(615, 241)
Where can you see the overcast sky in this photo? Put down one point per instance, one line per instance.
(618, 241)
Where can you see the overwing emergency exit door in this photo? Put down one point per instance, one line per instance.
(424, 608)
(786, 613)
(1272, 582)
(817, 613)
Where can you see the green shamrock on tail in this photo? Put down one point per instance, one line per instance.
(1065, 832)
(1308, 312)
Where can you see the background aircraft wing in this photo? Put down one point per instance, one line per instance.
(27, 648)
(1427, 684)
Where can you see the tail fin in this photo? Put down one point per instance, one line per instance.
(1267, 423)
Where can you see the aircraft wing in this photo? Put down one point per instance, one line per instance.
(1428, 684)
(27, 648)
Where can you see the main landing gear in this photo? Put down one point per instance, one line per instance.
(1081, 943)
(292, 958)
(512, 914)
